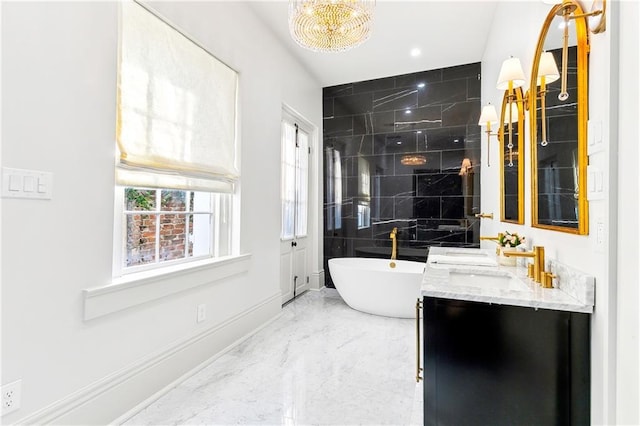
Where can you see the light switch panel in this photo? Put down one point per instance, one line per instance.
(594, 137)
(595, 184)
(20, 183)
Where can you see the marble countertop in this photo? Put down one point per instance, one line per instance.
(506, 285)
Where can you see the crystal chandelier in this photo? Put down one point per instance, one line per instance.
(330, 25)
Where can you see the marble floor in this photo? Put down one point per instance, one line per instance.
(319, 363)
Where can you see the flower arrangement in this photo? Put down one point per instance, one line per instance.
(510, 239)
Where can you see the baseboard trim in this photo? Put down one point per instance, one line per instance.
(317, 280)
(127, 390)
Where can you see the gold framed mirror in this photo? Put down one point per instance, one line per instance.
(511, 137)
(558, 112)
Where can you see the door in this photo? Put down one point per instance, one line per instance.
(295, 151)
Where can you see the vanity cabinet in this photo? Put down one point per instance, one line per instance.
(490, 364)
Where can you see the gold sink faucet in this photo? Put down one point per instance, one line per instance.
(495, 239)
(537, 254)
(394, 246)
(484, 215)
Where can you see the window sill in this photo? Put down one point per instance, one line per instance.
(142, 287)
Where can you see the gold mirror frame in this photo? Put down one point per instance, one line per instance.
(516, 97)
(578, 17)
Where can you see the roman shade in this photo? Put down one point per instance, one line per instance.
(176, 112)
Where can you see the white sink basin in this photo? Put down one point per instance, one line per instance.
(487, 280)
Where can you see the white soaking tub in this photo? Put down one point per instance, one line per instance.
(373, 286)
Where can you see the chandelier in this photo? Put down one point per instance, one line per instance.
(330, 25)
(413, 160)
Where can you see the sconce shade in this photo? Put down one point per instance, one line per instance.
(488, 114)
(464, 167)
(514, 113)
(547, 68)
(511, 70)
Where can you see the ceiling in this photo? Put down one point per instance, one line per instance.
(447, 32)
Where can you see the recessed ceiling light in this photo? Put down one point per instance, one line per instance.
(399, 143)
(421, 85)
(415, 52)
(407, 111)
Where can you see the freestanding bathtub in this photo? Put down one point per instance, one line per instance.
(372, 286)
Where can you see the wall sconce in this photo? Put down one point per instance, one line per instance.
(465, 167)
(510, 78)
(512, 116)
(547, 73)
(488, 116)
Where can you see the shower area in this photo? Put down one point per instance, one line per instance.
(403, 152)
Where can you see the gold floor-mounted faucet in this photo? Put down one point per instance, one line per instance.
(394, 246)
(537, 273)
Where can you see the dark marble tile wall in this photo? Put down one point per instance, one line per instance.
(370, 129)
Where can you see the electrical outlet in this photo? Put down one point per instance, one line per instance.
(11, 394)
(202, 313)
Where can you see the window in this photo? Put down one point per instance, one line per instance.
(334, 188)
(174, 225)
(364, 194)
(176, 141)
(295, 179)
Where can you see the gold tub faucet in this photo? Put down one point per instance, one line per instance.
(394, 246)
(538, 262)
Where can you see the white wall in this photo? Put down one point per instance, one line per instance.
(58, 115)
(628, 208)
(515, 31)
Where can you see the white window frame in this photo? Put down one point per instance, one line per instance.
(220, 224)
(291, 117)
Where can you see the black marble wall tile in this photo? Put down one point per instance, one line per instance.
(460, 113)
(363, 124)
(461, 71)
(340, 126)
(406, 80)
(374, 85)
(445, 92)
(444, 138)
(350, 145)
(418, 118)
(341, 90)
(353, 104)
(393, 99)
(431, 76)
(473, 88)
(400, 142)
(396, 186)
(382, 208)
(327, 107)
(368, 126)
(438, 184)
(453, 207)
(383, 122)
(427, 207)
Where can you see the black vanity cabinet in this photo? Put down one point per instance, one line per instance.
(488, 364)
